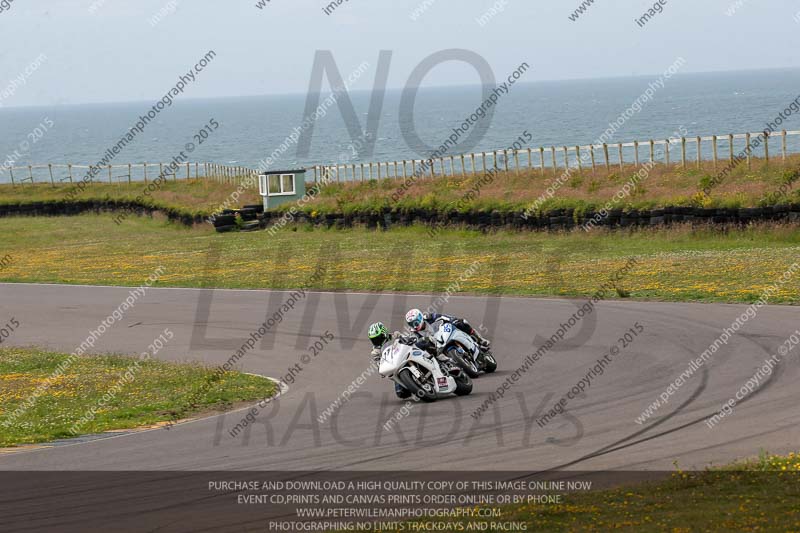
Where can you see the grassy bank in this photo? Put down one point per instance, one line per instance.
(190, 197)
(756, 496)
(158, 392)
(679, 264)
(761, 185)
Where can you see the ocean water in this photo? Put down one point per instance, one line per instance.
(250, 128)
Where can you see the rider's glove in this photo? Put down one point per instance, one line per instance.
(427, 345)
(376, 354)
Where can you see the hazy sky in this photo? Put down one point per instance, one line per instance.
(116, 54)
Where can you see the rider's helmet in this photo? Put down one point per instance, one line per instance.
(415, 319)
(378, 334)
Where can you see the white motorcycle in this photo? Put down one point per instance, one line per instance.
(462, 350)
(421, 374)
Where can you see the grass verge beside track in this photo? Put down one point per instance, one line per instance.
(159, 392)
(754, 496)
(674, 264)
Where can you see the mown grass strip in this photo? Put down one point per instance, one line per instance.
(760, 495)
(159, 392)
(675, 264)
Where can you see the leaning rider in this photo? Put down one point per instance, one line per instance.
(421, 323)
(380, 337)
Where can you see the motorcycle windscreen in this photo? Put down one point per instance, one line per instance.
(390, 360)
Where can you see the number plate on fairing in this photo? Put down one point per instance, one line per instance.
(388, 354)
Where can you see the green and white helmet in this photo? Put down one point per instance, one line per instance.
(378, 334)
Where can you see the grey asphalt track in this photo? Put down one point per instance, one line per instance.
(600, 432)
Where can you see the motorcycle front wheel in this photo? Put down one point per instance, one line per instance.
(465, 363)
(489, 362)
(409, 381)
(463, 384)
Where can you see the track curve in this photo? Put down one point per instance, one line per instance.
(599, 432)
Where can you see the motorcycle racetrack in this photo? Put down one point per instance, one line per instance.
(603, 370)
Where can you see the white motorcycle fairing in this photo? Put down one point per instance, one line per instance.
(398, 356)
(447, 333)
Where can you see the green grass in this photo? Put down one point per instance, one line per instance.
(507, 192)
(755, 496)
(678, 264)
(515, 192)
(190, 197)
(158, 392)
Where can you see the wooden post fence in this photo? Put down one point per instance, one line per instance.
(714, 148)
(698, 152)
(783, 145)
(748, 149)
(445, 166)
(541, 159)
(683, 152)
(730, 144)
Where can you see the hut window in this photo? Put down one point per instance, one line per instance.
(274, 184)
(288, 183)
(280, 184)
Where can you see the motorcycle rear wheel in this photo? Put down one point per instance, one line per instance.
(417, 389)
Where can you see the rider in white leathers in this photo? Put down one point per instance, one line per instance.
(421, 324)
(380, 337)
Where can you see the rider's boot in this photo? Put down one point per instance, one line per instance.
(401, 392)
(484, 342)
